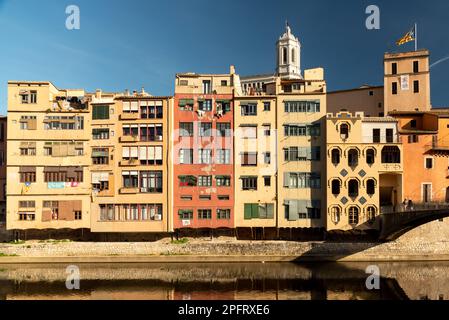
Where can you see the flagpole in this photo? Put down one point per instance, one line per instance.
(416, 37)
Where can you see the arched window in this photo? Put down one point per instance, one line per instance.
(335, 214)
(293, 55)
(391, 154)
(336, 185)
(353, 158)
(284, 55)
(370, 156)
(353, 216)
(335, 156)
(370, 187)
(371, 213)
(344, 131)
(353, 188)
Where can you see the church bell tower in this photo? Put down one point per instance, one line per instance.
(288, 55)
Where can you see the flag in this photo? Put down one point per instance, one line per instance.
(410, 36)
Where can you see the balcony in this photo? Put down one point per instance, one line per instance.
(383, 139)
(391, 167)
(437, 147)
(129, 190)
(130, 163)
(129, 139)
(130, 116)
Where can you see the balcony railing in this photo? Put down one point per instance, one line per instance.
(130, 163)
(422, 206)
(129, 139)
(383, 139)
(129, 190)
(129, 116)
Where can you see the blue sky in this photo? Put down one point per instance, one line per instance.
(130, 44)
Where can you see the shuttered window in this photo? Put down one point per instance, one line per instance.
(100, 112)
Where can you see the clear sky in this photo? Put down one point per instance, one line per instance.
(130, 44)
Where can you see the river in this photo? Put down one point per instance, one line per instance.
(233, 281)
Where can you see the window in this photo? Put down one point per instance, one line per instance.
(186, 156)
(248, 132)
(205, 105)
(224, 83)
(370, 187)
(249, 109)
(413, 124)
(223, 156)
(249, 183)
(353, 158)
(389, 135)
(151, 182)
(205, 197)
(370, 156)
(130, 179)
(100, 181)
(336, 214)
(312, 130)
(186, 198)
(78, 215)
(27, 148)
(353, 188)
(344, 131)
(186, 129)
(63, 174)
(150, 155)
(223, 214)
(266, 106)
(416, 86)
(249, 159)
(186, 104)
(293, 55)
(415, 66)
(131, 212)
(284, 55)
(429, 163)
(376, 135)
(151, 110)
(185, 214)
(204, 214)
(100, 112)
(100, 156)
(27, 123)
(223, 198)
(205, 129)
(394, 88)
(266, 158)
(28, 96)
(394, 68)
(335, 155)
(302, 209)
(223, 181)
(206, 87)
(267, 181)
(304, 106)
(258, 211)
(302, 180)
(204, 156)
(29, 204)
(266, 130)
(391, 154)
(302, 154)
(100, 134)
(371, 93)
(353, 216)
(223, 129)
(150, 132)
(27, 174)
(336, 186)
(205, 181)
(413, 138)
(63, 123)
(187, 181)
(26, 216)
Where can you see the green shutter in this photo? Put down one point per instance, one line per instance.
(255, 211)
(270, 211)
(247, 213)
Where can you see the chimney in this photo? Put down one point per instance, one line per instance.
(134, 92)
(126, 93)
(98, 93)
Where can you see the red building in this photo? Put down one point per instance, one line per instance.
(203, 170)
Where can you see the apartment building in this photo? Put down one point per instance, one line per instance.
(255, 163)
(130, 164)
(366, 99)
(3, 127)
(364, 170)
(301, 142)
(202, 146)
(48, 157)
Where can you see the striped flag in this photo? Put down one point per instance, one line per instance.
(410, 36)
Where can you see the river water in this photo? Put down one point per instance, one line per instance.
(236, 281)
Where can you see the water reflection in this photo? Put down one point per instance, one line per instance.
(269, 281)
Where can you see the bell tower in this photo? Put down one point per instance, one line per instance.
(288, 55)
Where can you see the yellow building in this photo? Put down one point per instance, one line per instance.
(300, 144)
(364, 170)
(48, 156)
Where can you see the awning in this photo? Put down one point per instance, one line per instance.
(27, 169)
(99, 154)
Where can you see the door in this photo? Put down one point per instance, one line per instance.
(427, 193)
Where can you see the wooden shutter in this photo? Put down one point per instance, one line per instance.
(247, 211)
(255, 211)
(286, 179)
(46, 215)
(270, 211)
